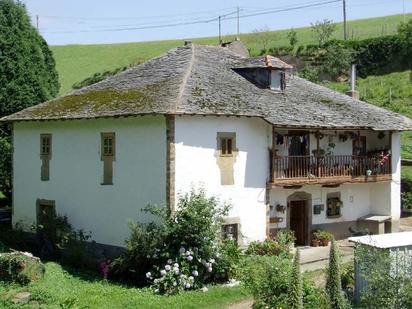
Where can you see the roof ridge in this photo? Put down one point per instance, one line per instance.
(185, 78)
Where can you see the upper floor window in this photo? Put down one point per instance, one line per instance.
(108, 152)
(45, 144)
(45, 155)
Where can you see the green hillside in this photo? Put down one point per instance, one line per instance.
(76, 62)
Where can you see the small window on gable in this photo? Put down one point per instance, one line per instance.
(108, 152)
(45, 144)
(334, 205)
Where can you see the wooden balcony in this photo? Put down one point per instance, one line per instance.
(328, 170)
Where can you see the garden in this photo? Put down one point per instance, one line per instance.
(164, 264)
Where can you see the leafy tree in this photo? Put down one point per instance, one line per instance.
(295, 292)
(322, 31)
(405, 35)
(333, 282)
(265, 38)
(27, 74)
(337, 60)
(292, 37)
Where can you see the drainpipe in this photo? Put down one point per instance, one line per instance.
(353, 93)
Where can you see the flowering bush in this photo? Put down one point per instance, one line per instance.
(187, 271)
(181, 251)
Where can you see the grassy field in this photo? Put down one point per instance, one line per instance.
(66, 289)
(76, 62)
(391, 91)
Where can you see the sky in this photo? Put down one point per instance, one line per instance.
(64, 22)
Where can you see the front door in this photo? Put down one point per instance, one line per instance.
(46, 225)
(299, 221)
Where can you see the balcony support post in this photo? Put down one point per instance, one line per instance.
(317, 154)
(272, 176)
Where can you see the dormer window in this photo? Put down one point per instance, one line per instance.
(276, 80)
(264, 72)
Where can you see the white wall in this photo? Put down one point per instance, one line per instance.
(396, 177)
(196, 165)
(76, 171)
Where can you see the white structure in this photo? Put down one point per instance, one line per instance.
(296, 156)
(393, 249)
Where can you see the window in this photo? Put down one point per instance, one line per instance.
(45, 147)
(277, 80)
(108, 152)
(231, 232)
(334, 205)
(226, 146)
(45, 155)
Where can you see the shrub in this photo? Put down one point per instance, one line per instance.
(280, 245)
(333, 281)
(228, 258)
(322, 235)
(406, 198)
(20, 267)
(295, 293)
(387, 278)
(268, 280)
(194, 228)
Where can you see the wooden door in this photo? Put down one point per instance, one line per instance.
(299, 221)
(46, 225)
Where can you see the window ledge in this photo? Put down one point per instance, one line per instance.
(333, 217)
(106, 184)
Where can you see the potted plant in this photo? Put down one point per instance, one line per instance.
(315, 242)
(324, 237)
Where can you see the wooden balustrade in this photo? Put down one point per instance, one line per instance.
(328, 166)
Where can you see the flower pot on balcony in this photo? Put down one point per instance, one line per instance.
(368, 173)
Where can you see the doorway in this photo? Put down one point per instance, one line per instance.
(46, 220)
(299, 221)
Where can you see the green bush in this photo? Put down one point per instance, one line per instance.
(322, 235)
(189, 237)
(228, 258)
(268, 280)
(20, 268)
(280, 245)
(333, 280)
(406, 198)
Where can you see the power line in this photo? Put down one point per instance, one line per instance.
(209, 20)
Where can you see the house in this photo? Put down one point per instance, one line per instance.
(287, 153)
(389, 253)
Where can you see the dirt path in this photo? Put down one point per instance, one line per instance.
(245, 304)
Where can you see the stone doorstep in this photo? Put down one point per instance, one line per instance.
(22, 298)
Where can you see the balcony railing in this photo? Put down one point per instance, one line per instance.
(289, 167)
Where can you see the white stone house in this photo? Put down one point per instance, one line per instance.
(244, 129)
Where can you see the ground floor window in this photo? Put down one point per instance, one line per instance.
(334, 205)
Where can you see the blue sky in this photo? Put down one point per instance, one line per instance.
(100, 21)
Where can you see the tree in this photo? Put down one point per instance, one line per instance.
(405, 35)
(295, 290)
(265, 38)
(333, 281)
(27, 74)
(292, 37)
(322, 31)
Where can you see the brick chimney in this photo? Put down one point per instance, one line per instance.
(353, 93)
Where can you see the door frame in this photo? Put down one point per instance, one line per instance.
(307, 198)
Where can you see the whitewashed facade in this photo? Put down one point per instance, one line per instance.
(140, 175)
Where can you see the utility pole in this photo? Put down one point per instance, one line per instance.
(345, 34)
(220, 30)
(404, 17)
(37, 22)
(238, 22)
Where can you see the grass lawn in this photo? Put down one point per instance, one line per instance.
(76, 62)
(64, 289)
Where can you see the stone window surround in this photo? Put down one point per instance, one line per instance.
(108, 159)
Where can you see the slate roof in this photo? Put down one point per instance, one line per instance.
(200, 80)
(263, 62)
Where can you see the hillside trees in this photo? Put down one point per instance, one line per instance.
(27, 74)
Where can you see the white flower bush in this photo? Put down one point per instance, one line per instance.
(189, 271)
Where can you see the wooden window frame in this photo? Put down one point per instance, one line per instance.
(45, 155)
(107, 158)
(333, 196)
(226, 143)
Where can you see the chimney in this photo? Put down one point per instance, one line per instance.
(353, 93)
